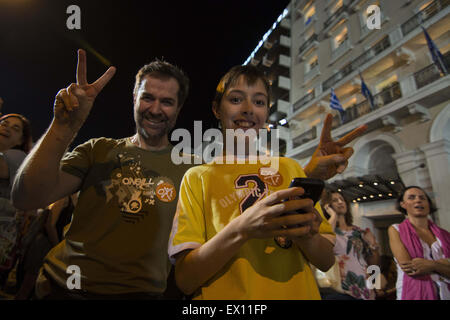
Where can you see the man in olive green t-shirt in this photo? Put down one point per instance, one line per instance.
(116, 246)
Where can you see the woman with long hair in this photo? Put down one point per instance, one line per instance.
(15, 143)
(355, 249)
(421, 249)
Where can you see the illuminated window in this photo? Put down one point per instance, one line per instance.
(340, 37)
(338, 4)
(386, 83)
(426, 9)
(311, 63)
(309, 15)
(309, 33)
(426, 4)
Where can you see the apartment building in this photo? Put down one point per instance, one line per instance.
(408, 140)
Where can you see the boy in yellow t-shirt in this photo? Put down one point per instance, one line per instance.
(267, 268)
(231, 237)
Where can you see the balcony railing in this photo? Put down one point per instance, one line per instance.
(423, 15)
(304, 100)
(334, 16)
(430, 73)
(358, 62)
(307, 43)
(381, 99)
(343, 47)
(306, 136)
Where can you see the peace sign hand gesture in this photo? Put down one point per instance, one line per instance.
(73, 104)
(330, 156)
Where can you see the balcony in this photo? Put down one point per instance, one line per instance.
(381, 99)
(425, 14)
(284, 61)
(305, 137)
(308, 43)
(307, 98)
(311, 74)
(282, 104)
(334, 17)
(430, 73)
(358, 62)
(284, 82)
(285, 41)
(281, 86)
(343, 48)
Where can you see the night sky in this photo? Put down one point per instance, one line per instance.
(204, 38)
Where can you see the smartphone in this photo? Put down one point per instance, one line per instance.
(313, 188)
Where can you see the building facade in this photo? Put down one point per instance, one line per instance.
(333, 45)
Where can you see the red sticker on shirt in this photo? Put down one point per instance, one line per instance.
(166, 192)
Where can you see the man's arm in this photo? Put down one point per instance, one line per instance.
(40, 180)
(52, 218)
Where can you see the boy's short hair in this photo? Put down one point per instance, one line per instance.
(251, 75)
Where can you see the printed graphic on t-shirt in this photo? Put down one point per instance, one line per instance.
(256, 192)
(257, 188)
(270, 176)
(137, 189)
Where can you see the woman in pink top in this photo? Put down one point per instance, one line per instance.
(421, 250)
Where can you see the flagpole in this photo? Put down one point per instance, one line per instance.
(436, 55)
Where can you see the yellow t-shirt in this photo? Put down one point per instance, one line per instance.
(210, 197)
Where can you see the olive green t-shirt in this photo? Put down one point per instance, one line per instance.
(120, 228)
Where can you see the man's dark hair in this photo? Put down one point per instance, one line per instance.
(161, 69)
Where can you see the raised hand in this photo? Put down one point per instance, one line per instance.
(73, 104)
(330, 210)
(331, 157)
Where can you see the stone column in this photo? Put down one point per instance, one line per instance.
(438, 162)
(412, 168)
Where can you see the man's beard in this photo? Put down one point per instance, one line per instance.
(141, 130)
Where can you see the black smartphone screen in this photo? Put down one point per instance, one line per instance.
(313, 188)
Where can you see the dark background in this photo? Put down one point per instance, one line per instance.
(204, 38)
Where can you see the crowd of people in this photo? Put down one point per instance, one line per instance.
(138, 226)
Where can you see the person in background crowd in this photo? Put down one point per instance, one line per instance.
(355, 248)
(421, 249)
(15, 143)
(50, 231)
(387, 290)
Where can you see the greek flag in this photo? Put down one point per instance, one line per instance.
(336, 105)
(437, 56)
(366, 92)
